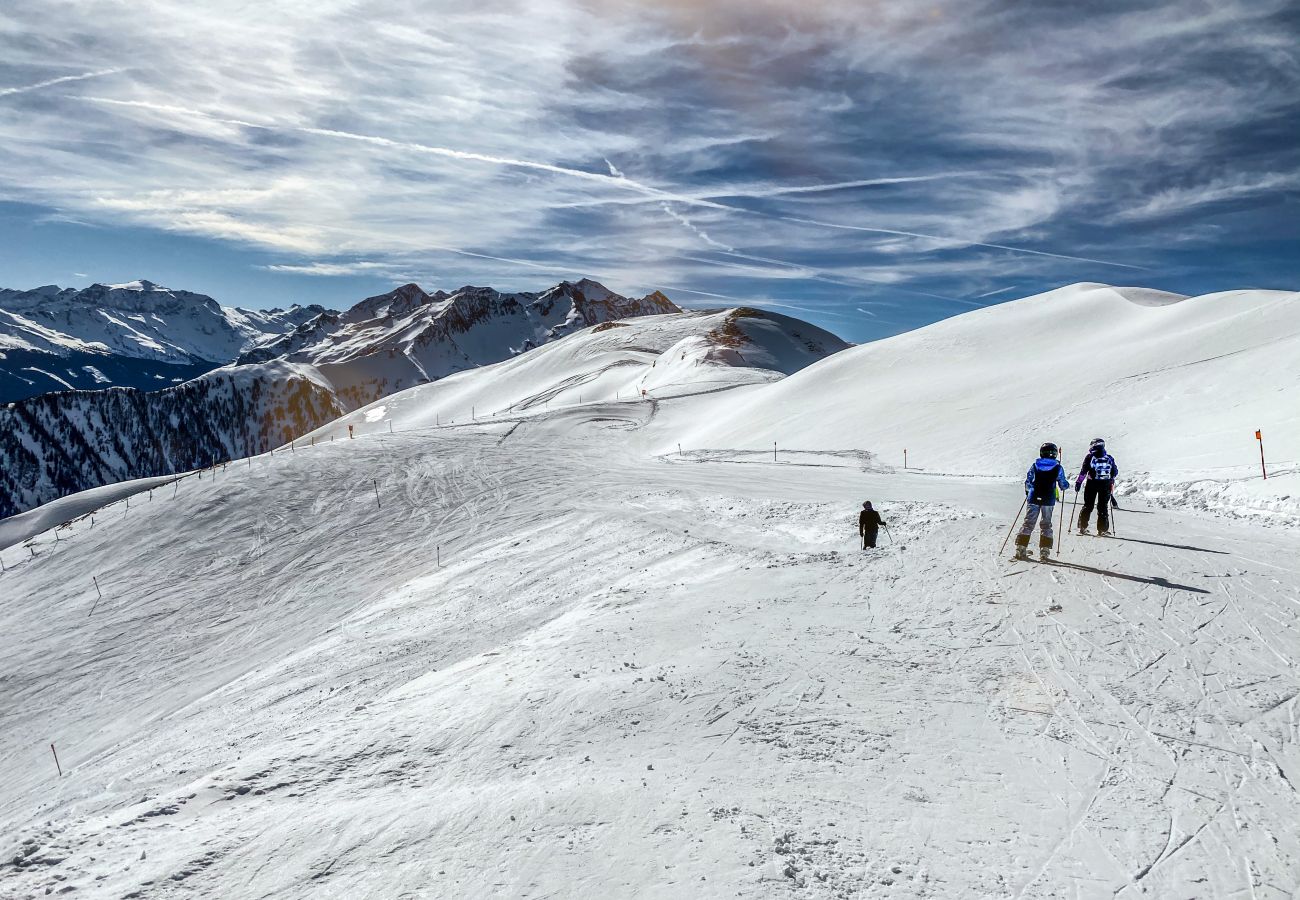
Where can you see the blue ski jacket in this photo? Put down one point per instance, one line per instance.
(1044, 476)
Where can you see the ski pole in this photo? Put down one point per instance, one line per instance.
(888, 534)
(1113, 507)
(1061, 527)
(1013, 525)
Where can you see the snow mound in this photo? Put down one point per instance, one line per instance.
(1176, 386)
(647, 358)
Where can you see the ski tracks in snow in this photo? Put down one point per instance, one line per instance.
(630, 678)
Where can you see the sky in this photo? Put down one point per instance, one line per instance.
(870, 166)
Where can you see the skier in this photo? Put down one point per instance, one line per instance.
(869, 523)
(1099, 470)
(1044, 477)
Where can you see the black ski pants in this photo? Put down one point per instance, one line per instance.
(1096, 493)
(869, 538)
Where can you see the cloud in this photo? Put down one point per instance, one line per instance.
(327, 269)
(832, 155)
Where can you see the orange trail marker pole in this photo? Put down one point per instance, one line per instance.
(1259, 436)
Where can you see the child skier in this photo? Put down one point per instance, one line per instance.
(869, 523)
(1100, 471)
(1044, 477)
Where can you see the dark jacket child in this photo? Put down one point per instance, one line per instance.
(1100, 471)
(869, 523)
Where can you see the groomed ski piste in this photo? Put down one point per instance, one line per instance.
(522, 646)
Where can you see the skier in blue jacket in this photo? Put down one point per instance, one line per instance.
(1041, 482)
(1100, 471)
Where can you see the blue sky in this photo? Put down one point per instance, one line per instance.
(869, 166)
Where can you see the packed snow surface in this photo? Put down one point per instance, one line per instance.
(541, 653)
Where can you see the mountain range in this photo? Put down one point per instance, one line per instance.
(137, 334)
(284, 385)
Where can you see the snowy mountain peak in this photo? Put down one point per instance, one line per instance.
(63, 338)
(396, 302)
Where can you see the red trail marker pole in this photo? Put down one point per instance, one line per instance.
(1259, 436)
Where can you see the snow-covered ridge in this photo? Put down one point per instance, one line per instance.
(138, 319)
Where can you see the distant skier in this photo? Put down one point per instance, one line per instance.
(1044, 477)
(869, 523)
(1100, 471)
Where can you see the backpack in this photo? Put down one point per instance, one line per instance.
(1102, 467)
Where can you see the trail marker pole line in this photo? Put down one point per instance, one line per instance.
(97, 599)
(774, 451)
(1259, 436)
(904, 457)
(56, 759)
(377, 503)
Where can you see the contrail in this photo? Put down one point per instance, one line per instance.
(545, 267)
(959, 241)
(833, 186)
(760, 193)
(687, 223)
(998, 291)
(430, 149)
(622, 183)
(5, 92)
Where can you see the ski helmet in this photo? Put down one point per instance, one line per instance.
(1097, 442)
(1048, 450)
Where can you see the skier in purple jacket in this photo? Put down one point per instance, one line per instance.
(1100, 471)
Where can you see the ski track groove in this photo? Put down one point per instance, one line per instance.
(890, 633)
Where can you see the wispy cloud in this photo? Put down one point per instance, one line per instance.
(833, 156)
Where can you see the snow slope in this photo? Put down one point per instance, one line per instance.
(651, 357)
(1177, 386)
(529, 654)
(526, 659)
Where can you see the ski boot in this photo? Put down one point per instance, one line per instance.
(1044, 548)
(1022, 546)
